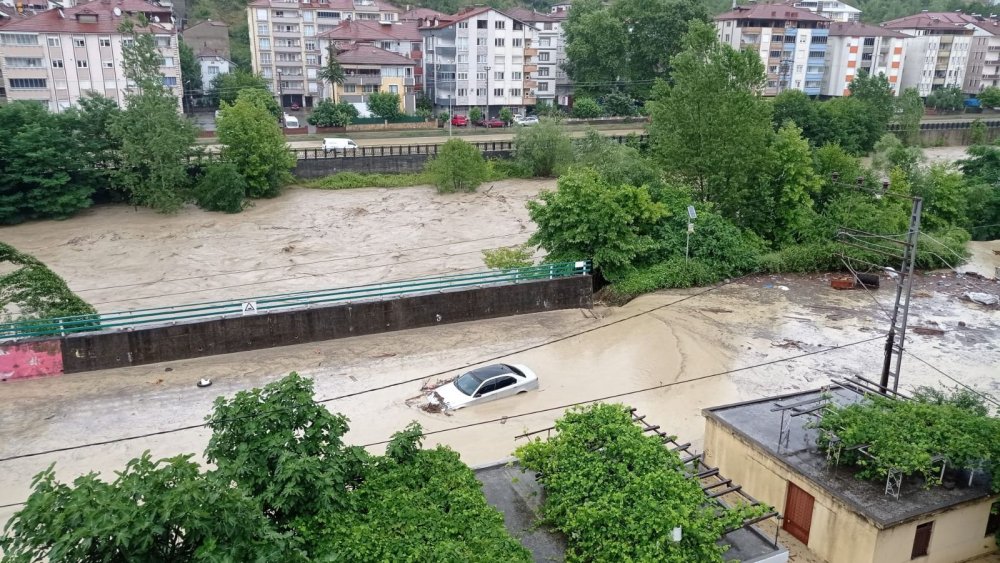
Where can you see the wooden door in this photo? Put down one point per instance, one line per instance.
(798, 513)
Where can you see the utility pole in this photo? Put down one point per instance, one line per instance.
(487, 93)
(281, 98)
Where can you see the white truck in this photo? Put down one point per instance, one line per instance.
(338, 145)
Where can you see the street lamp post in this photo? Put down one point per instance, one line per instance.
(488, 93)
(281, 99)
(449, 115)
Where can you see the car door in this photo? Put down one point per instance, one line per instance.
(485, 391)
(506, 385)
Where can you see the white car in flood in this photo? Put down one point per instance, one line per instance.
(487, 383)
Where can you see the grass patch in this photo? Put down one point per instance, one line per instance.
(498, 170)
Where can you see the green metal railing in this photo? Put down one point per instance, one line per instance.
(141, 318)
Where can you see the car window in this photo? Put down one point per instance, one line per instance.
(467, 383)
(488, 387)
(504, 382)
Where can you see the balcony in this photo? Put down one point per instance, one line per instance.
(530, 83)
(530, 52)
(530, 67)
(529, 100)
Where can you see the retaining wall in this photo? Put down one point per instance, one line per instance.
(319, 167)
(104, 350)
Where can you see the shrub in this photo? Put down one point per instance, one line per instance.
(475, 114)
(586, 108)
(506, 115)
(505, 258)
(458, 167)
(351, 180)
(675, 272)
(619, 104)
(544, 148)
(328, 114)
(221, 188)
(255, 145)
(384, 105)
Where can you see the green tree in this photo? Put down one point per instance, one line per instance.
(255, 144)
(221, 188)
(37, 291)
(845, 122)
(977, 133)
(874, 91)
(949, 98)
(475, 114)
(190, 70)
(616, 162)
(711, 126)
(384, 105)
(507, 257)
(785, 211)
(982, 172)
(96, 117)
(332, 72)
(586, 217)
(458, 167)
(830, 160)
(990, 97)
(910, 112)
(585, 108)
(795, 106)
(545, 149)
(945, 194)
(619, 104)
(891, 154)
(226, 87)
(329, 114)
(506, 115)
(164, 510)
(155, 138)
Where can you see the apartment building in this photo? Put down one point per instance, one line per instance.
(854, 48)
(791, 41)
(402, 38)
(833, 9)
(983, 67)
(285, 49)
(56, 56)
(481, 57)
(554, 85)
(938, 50)
(369, 69)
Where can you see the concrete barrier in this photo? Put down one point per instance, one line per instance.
(319, 167)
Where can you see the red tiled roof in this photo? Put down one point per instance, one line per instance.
(341, 5)
(418, 14)
(52, 21)
(369, 55)
(361, 30)
(930, 20)
(470, 13)
(858, 29)
(770, 12)
(531, 16)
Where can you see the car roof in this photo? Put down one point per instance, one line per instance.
(486, 372)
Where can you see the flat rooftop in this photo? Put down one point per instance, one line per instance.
(758, 423)
(518, 495)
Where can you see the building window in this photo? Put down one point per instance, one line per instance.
(775, 54)
(498, 92)
(993, 522)
(128, 42)
(213, 70)
(547, 26)
(308, 30)
(168, 61)
(262, 29)
(866, 56)
(545, 42)
(463, 25)
(108, 64)
(170, 81)
(480, 76)
(543, 71)
(105, 41)
(543, 86)
(921, 540)
(498, 75)
(312, 60)
(307, 15)
(369, 88)
(463, 59)
(480, 91)
(481, 24)
(18, 39)
(463, 76)
(515, 92)
(265, 43)
(57, 63)
(481, 41)
(518, 26)
(81, 64)
(350, 88)
(27, 83)
(328, 15)
(311, 46)
(481, 59)
(462, 92)
(500, 24)
(498, 42)
(515, 75)
(517, 42)
(387, 45)
(79, 42)
(261, 15)
(393, 89)
(23, 62)
(543, 57)
(53, 41)
(498, 60)
(265, 58)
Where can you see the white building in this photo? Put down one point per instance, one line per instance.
(56, 56)
(792, 43)
(554, 85)
(212, 66)
(481, 57)
(833, 9)
(856, 47)
(285, 49)
(938, 51)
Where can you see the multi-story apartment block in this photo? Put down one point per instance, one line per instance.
(401, 38)
(833, 9)
(938, 50)
(369, 69)
(983, 67)
(855, 48)
(56, 56)
(284, 47)
(553, 84)
(792, 43)
(481, 57)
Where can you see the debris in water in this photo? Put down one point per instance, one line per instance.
(928, 331)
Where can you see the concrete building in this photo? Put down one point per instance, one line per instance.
(984, 56)
(938, 53)
(767, 446)
(401, 38)
(553, 84)
(210, 42)
(481, 57)
(56, 56)
(791, 41)
(284, 47)
(856, 47)
(833, 9)
(369, 69)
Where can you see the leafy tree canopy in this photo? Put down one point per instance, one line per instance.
(255, 144)
(458, 167)
(384, 105)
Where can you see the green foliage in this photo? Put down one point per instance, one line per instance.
(155, 138)
(945, 194)
(846, 122)
(165, 510)
(675, 272)
(796, 106)
(977, 133)
(990, 97)
(331, 72)
(585, 216)
(619, 104)
(711, 127)
(617, 492)
(891, 153)
(910, 109)
(36, 291)
(506, 115)
(254, 144)
(190, 69)
(543, 108)
(906, 435)
(508, 257)
(384, 105)
(475, 114)
(949, 98)
(425, 103)
(351, 180)
(876, 94)
(226, 87)
(586, 108)
(458, 167)
(284, 450)
(829, 160)
(328, 114)
(782, 210)
(960, 397)
(982, 172)
(544, 148)
(221, 188)
(617, 163)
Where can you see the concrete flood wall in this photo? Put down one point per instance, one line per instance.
(319, 167)
(111, 349)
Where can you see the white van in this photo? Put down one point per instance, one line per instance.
(291, 121)
(338, 145)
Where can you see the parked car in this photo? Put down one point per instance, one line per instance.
(291, 121)
(459, 121)
(484, 384)
(525, 120)
(490, 122)
(338, 145)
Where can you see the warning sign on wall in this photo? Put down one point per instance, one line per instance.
(249, 307)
